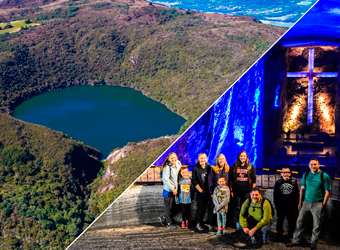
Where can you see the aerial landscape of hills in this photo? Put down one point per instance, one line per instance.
(52, 186)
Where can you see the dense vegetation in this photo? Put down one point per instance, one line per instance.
(44, 178)
(181, 58)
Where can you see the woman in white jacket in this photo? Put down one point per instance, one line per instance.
(171, 167)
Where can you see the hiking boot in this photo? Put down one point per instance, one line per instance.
(183, 225)
(211, 228)
(199, 227)
(292, 244)
(219, 231)
(187, 224)
(171, 226)
(162, 220)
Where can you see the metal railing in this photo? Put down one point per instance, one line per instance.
(265, 178)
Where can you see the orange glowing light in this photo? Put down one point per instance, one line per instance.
(327, 113)
(324, 109)
(291, 121)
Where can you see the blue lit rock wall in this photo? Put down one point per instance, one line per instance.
(274, 78)
(246, 117)
(234, 123)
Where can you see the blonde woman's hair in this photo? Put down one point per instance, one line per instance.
(217, 166)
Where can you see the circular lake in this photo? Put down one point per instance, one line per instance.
(103, 117)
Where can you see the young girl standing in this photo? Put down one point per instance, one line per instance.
(221, 199)
(243, 179)
(184, 185)
(220, 169)
(200, 182)
(171, 167)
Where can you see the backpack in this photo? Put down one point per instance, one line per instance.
(161, 173)
(263, 199)
(322, 181)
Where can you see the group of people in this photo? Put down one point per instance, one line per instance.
(214, 186)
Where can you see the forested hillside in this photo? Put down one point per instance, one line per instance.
(180, 58)
(44, 179)
(117, 176)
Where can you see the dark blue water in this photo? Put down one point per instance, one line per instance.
(277, 12)
(104, 117)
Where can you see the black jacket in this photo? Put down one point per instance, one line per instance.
(286, 193)
(200, 177)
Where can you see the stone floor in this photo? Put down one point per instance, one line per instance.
(157, 237)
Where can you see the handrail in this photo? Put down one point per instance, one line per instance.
(265, 178)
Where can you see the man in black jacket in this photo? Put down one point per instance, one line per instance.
(286, 200)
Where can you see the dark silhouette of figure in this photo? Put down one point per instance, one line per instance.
(288, 134)
(327, 155)
(297, 137)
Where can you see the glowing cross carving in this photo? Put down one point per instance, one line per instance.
(310, 76)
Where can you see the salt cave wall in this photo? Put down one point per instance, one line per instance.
(274, 78)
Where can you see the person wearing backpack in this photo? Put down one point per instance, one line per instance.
(314, 194)
(286, 200)
(255, 215)
(171, 167)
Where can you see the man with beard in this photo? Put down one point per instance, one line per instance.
(256, 216)
(315, 190)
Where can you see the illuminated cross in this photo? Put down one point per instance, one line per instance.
(310, 76)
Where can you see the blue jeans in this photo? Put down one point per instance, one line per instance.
(221, 220)
(265, 230)
(315, 208)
